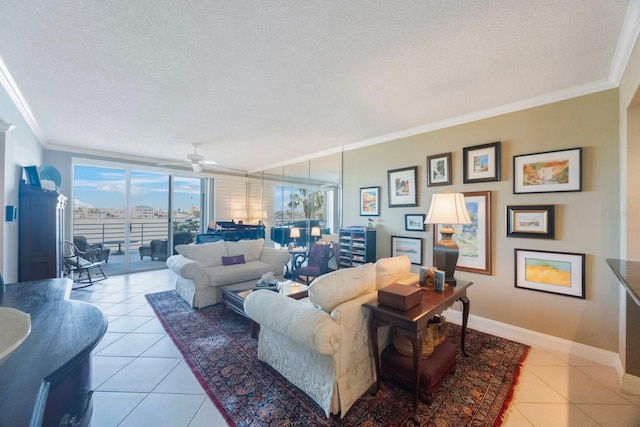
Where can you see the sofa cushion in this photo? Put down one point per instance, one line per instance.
(251, 249)
(390, 270)
(232, 260)
(332, 289)
(207, 254)
(227, 274)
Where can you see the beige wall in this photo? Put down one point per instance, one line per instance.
(586, 222)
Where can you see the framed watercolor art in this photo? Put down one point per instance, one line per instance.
(439, 170)
(403, 187)
(537, 221)
(474, 240)
(414, 222)
(481, 163)
(548, 172)
(370, 201)
(555, 272)
(410, 246)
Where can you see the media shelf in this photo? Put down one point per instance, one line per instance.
(356, 247)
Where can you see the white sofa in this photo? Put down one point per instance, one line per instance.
(327, 332)
(201, 270)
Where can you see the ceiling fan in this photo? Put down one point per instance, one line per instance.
(197, 161)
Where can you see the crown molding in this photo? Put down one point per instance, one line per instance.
(537, 101)
(626, 42)
(6, 127)
(7, 82)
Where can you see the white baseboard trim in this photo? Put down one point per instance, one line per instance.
(538, 339)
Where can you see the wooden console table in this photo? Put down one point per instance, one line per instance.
(47, 379)
(413, 323)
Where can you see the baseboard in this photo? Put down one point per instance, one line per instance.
(631, 384)
(538, 339)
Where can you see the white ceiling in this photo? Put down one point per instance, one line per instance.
(259, 83)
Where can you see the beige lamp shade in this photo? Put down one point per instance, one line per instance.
(315, 231)
(448, 208)
(294, 233)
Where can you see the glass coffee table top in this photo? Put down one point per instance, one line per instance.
(287, 288)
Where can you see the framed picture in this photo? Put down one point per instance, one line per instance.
(414, 222)
(536, 221)
(370, 201)
(33, 177)
(481, 163)
(556, 272)
(439, 170)
(403, 187)
(548, 172)
(474, 240)
(410, 246)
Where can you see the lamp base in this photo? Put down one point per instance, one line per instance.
(445, 254)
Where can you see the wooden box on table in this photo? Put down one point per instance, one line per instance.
(400, 297)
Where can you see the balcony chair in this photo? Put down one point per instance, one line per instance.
(76, 261)
(82, 244)
(156, 248)
(317, 263)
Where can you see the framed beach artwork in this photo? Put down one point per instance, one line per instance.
(537, 221)
(410, 246)
(403, 187)
(555, 272)
(439, 170)
(481, 163)
(548, 172)
(474, 240)
(370, 201)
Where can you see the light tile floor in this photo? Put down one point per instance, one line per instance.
(141, 379)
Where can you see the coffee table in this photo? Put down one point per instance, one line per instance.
(233, 296)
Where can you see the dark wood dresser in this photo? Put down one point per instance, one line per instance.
(47, 379)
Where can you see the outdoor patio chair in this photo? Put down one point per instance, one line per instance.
(78, 265)
(84, 246)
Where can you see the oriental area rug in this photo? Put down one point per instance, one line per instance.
(216, 344)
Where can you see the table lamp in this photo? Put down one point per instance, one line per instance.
(447, 209)
(315, 232)
(294, 233)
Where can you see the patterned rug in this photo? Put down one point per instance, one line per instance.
(217, 345)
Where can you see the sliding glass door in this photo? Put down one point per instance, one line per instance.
(135, 214)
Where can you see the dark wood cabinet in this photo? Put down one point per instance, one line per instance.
(40, 233)
(356, 246)
(46, 381)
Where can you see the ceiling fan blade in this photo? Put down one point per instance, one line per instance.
(208, 162)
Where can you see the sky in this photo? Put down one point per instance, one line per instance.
(96, 187)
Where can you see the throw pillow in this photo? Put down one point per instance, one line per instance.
(251, 248)
(233, 260)
(207, 254)
(390, 270)
(79, 262)
(332, 289)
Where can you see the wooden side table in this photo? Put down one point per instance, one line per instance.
(413, 323)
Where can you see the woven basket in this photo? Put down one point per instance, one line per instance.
(434, 335)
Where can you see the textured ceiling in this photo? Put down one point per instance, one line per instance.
(259, 83)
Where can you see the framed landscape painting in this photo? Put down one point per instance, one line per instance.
(474, 240)
(548, 172)
(370, 201)
(410, 246)
(403, 187)
(555, 272)
(537, 221)
(414, 222)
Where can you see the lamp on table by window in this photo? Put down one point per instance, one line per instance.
(447, 209)
(315, 232)
(294, 233)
